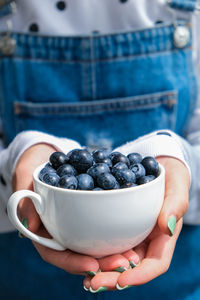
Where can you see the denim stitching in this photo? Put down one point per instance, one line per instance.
(97, 110)
(57, 43)
(93, 76)
(86, 78)
(192, 90)
(145, 101)
(119, 59)
(163, 46)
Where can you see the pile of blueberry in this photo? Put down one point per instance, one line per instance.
(99, 170)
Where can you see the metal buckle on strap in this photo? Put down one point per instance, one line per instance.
(7, 44)
(181, 20)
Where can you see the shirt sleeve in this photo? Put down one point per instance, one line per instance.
(9, 158)
(167, 143)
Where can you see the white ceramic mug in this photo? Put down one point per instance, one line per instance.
(96, 223)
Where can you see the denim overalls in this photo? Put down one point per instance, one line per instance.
(101, 90)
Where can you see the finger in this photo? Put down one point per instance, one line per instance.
(102, 280)
(116, 262)
(141, 251)
(133, 257)
(70, 261)
(22, 179)
(109, 279)
(156, 261)
(176, 194)
(27, 213)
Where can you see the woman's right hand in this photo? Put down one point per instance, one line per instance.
(70, 261)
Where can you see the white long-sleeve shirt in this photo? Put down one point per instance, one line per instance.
(75, 17)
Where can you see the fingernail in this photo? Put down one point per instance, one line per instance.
(90, 273)
(100, 289)
(25, 223)
(86, 289)
(124, 287)
(120, 269)
(171, 224)
(21, 235)
(132, 264)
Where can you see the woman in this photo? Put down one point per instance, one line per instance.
(131, 75)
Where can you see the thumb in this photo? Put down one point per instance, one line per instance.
(22, 179)
(26, 210)
(177, 183)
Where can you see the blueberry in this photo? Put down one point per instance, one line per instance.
(85, 182)
(119, 166)
(49, 166)
(51, 179)
(66, 169)
(128, 185)
(58, 159)
(100, 154)
(117, 186)
(145, 179)
(125, 176)
(138, 169)
(68, 182)
(107, 161)
(106, 181)
(112, 154)
(70, 152)
(119, 157)
(46, 170)
(97, 189)
(134, 158)
(81, 160)
(98, 169)
(151, 165)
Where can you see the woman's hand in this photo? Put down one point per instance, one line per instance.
(156, 251)
(68, 260)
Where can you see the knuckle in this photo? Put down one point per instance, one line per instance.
(165, 266)
(185, 206)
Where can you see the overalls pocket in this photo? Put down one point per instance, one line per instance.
(106, 122)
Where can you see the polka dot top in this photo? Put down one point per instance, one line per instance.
(88, 17)
(83, 17)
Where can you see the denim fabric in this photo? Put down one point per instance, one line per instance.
(187, 5)
(6, 9)
(99, 90)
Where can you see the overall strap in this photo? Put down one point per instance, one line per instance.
(7, 44)
(184, 5)
(7, 7)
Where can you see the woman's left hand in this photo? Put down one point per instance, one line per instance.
(156, 251)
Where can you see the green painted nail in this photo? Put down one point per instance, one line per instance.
(123, 288)
(90, 273)
(100, 289)
(120, 269)
(25, 223)
(132, 264)
(171, 224)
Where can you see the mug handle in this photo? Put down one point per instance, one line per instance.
(39, 206)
